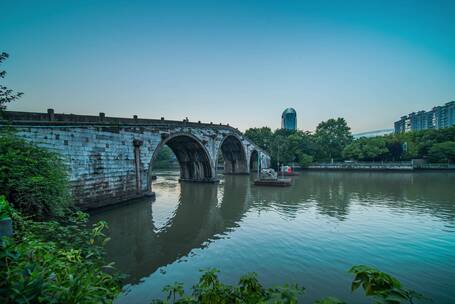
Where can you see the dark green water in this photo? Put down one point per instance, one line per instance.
(310, 233)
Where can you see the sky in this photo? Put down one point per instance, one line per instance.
(237, 62)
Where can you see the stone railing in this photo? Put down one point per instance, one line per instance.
(437, 167)
(52, 118)
(405, 165)
(363, 166)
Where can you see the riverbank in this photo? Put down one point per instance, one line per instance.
(382, 166)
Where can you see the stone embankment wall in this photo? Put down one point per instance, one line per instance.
(382, 166)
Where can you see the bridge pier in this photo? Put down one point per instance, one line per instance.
(254, 161)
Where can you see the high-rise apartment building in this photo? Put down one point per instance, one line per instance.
(437, 118)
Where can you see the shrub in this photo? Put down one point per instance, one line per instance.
(305, 160)
(48, 262)
(209, 290)
(33, 179)
(382, 286)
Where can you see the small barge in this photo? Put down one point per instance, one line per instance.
(269, 177)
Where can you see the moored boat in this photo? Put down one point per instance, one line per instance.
(268, 177)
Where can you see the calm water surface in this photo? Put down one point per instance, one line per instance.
(310, 233)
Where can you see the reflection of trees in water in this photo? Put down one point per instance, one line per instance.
(329, 193)
(428, 192)
(138, 249)
(284, 200)
(333, 192)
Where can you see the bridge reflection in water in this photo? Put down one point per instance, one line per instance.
(143, 241)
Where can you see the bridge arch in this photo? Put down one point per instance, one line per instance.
(234, 155)
(193, 157)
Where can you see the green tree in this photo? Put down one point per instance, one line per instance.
(302, 147)
(305, 159)
(284, 132)
(262, 137)
(308, 144)
(418, 144)
(332, 136)
(395, 148)
(6, 95)
(353, 151)
(33, 179)
(442, 152)
(367, 149)
(281, 151)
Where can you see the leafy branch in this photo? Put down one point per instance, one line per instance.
(6, 95)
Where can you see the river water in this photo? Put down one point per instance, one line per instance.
(310, 233)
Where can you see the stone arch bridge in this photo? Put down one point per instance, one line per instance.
(110, 160)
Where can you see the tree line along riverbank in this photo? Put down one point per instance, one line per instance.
(333, 142)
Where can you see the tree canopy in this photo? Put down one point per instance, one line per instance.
(300, 147)
(261, 136)
(442, 152)
(366, 149)
(333, 139)
(332, 136)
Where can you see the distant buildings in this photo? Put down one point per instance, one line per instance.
(289, 119)
(438, 118)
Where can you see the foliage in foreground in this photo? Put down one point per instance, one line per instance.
(5, 208)
(52, 262)
(209, 290)
(33, 179)
(385, 288)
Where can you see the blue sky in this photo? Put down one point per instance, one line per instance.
(237, 62)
